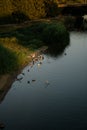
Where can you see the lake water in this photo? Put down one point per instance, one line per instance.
(53, 94)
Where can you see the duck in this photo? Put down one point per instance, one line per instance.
(28, 82)
(47, 82)
(28, 70)
(33, 80)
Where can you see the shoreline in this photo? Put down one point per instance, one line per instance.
(6, 80)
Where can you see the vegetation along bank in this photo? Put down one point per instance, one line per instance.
(16, 45)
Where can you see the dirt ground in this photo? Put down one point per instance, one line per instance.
(5, 81)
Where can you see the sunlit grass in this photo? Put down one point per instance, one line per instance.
(8, 60)
(12, 55)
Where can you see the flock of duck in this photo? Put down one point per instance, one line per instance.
(19, 78)
(35, 60)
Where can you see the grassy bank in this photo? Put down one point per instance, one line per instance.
(12, 55)
(16, 45)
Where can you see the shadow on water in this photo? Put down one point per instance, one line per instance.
(57, 50)
(63, 104)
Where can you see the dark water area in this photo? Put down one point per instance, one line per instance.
(52, 94)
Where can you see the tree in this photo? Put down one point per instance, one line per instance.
(33, 8)
(5, 7)
(51, 8)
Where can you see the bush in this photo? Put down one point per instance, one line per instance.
(69, 22)
(51, 8)
(35, 44)
(55, 33)
(8, 60)
(16, 45)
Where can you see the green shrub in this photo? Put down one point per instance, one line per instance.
(69, 22)
(35, 44)
(15, 45)
(55, 33)
(8, 60)
(51, 8)
(31, 34)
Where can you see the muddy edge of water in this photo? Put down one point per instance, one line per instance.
(6, 80)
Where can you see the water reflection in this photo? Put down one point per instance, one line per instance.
(50, 96)
(57, 50)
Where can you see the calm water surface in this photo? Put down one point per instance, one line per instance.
(57, 98)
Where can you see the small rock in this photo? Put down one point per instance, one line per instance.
(23, 73)
(38, 64)
(19, 78)
(33, 55)
(47, 82)
(33, 80)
